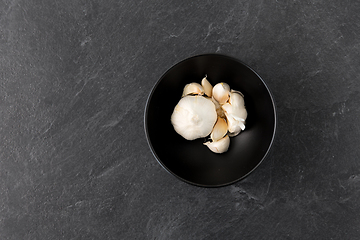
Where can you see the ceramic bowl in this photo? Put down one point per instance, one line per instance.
(191, 161)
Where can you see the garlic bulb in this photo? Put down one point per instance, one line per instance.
(194, 117)
(205, 111)
(219, 146)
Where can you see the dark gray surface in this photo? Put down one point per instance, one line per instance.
(74, 79)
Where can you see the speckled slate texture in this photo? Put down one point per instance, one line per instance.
(74, 80)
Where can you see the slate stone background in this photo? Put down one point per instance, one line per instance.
(74, 79)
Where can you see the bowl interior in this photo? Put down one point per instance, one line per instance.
(191, 161)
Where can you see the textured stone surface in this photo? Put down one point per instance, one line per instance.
(74, 79)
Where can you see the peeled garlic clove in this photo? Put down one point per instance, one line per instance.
(207, 87)
(193, 88)
(219, 130)
(221, 92)
(194, 117)
(219, 146)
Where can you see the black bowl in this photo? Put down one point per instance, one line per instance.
(191, 161)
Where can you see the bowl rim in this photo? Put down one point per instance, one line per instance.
(146, 121)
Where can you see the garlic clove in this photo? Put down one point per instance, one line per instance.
(236, 91)
(239, 114)
(242, 113)
(219, 110)
(193, 88)
(207, 87)
(242, 125)
(219, 146)
(234, 134)
(221, 92)
(220, 129)
(236, 111)
(241, 122)
(234, 125)
(194, 117)
(236, 99)
(241, 119)
(227, 108)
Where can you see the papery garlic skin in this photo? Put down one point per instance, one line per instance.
(219, 146)
(221, 92)
(194, 117)
(193, 88)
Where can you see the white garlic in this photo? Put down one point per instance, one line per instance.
(235, 112)
(220, 129)
(194, 117)
(219, 146)
(238, 113)
(221, 92)
(234, 125)
(207, 87)
(205, 111)
(219, 110)
(234, 134)
(236, 99)
(193, 88)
